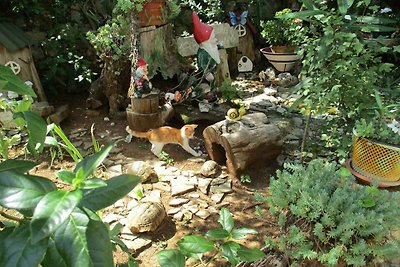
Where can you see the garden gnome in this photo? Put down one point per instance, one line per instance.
(208, 54)
(142, 83)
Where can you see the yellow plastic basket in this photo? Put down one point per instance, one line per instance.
(376, 160)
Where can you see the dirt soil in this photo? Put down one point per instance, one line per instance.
(242, 203)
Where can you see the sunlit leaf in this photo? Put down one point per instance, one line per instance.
(51, 211)
(170, 258)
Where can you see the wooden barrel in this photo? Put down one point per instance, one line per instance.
(146, 105)
(144, 114)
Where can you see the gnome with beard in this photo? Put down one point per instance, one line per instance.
(207, 55)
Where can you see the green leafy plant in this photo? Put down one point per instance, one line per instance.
(222, 244)
(326, 217)
(23, 118)
(58, 227)
(245, 178)
(283, 31)
(166, 157)
(228, 91)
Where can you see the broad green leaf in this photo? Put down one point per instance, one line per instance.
(36, 127)
(10, 82)
(344, 5)
(229, 250)
(226, 219)
(19, 252)
(50, 140)
(308, 4)
(117, 187)
(51, 211)
(170, 258)
(194, 244)
(66, 176)
(19, 191)
(373, 20)
(90, 164)
(18, 166)
(344, 172)
(250, 254)
(93, 183)
(218, 233)
(73, 231)
(53, 257)
(242, 232)
(99, 244)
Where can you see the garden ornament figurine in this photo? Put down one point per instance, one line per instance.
(142, 83)
(208, 54)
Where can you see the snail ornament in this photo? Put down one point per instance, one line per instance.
(235, 114)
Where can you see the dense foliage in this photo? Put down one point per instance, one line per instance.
(58, 226)
(341, 70)
(283, 31)
(328, 218)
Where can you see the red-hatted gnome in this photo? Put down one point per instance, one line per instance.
(142, 83)
(208, 54)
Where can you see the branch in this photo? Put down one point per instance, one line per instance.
(10, 217)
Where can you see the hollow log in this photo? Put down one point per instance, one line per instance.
(238, 144)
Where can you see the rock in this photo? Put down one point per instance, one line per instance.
(178, 201)
(222, 188)
(42, 108)
(142, 169)
(204, 214)
(173, 211)
(60, 114)
(146, 216)
(217, 181)
(154, 196)
(285, 79)
(162, 186)
(137, 244)
(178, 216)
(180, 186)
(217, 198)
(203, 184)
(111, 217)
(210, 169)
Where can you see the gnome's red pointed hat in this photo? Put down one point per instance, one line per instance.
(201, 31)
(141, 62)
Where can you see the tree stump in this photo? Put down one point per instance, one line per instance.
(238, 144)
(146, 114)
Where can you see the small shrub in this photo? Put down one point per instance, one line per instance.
(328, 218)
(221, 244)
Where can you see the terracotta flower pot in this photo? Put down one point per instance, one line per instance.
(152, 13)
(281, 61)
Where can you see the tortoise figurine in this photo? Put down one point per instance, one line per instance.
(146, 217)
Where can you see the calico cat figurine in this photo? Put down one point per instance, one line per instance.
(168, 135)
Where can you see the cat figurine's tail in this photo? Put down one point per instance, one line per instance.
(137, 134)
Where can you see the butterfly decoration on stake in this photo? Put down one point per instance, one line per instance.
(239, 20)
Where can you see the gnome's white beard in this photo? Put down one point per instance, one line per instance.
(212, 50)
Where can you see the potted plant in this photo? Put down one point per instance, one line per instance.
(376, 150)
(284, 35)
